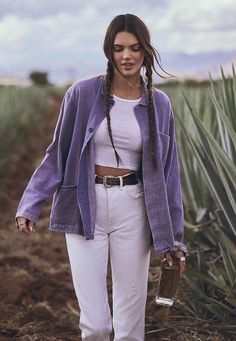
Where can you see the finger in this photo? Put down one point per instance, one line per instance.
(33, 226)
(179, 253)
(182, 268)
(26, 224)
(169, 258)
(27, 232)
(24, 229)
(21, 220)
(21, 226)
(30, 226)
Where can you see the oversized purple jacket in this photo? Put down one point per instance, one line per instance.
(68, 168)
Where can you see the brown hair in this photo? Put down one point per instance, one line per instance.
(132, 24)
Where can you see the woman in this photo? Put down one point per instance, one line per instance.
(113, 171)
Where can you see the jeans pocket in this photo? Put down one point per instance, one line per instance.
(134, 191)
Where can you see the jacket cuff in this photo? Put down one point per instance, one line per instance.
(25, 215)
(179, 246)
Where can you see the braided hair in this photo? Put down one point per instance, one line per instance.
(151, 116)
(108, 81)
(132, 24)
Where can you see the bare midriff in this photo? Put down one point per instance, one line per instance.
(102, 170)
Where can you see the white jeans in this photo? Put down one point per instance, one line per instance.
(122, 233)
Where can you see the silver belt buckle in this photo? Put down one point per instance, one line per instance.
(105, 177)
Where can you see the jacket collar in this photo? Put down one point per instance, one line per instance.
(144, 96)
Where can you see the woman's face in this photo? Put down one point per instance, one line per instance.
(128, 54)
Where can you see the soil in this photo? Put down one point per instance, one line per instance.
(37, 299)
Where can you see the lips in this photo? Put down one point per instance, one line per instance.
(127, 65)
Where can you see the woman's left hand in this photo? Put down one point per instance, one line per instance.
(179, 254)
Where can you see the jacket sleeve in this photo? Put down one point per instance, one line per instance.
(173, 184)
(49, 174)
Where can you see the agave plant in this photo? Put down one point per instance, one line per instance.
(22, 112)
(209, 159)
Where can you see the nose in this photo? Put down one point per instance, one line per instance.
(126, 54)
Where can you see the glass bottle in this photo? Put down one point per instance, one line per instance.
(167, 283)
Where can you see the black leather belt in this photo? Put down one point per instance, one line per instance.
(110, 180)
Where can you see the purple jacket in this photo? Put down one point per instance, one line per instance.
(67, 170)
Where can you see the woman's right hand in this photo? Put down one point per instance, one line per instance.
(25, 225)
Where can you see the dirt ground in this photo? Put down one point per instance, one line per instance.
(37, 300)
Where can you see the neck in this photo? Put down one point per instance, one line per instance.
(126, 87)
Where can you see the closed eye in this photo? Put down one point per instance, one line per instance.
(136, 48)
(119, 48)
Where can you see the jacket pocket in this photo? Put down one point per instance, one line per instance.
(65, 209)
(164, 146)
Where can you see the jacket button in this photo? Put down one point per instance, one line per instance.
(90, 130)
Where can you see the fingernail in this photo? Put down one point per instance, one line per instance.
(31, 229)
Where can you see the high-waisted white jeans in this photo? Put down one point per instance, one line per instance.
(122, 233)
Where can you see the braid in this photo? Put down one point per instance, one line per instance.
(151, 116)
(108, 78)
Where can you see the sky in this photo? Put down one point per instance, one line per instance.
(65, 38)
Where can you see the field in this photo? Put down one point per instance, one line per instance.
(37, 300)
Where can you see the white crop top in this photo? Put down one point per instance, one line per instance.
(126, 134)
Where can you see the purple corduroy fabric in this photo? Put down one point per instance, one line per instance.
(67, 170)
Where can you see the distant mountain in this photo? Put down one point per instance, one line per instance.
(198, 65)
(182, 65)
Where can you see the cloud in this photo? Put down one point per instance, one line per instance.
(202, 15)
(191, 26)
(38, 9)
(59, 35)
(57, 44)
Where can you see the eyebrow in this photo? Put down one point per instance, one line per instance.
(129, 45)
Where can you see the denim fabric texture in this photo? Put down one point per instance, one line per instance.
(121, 233)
